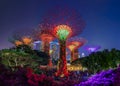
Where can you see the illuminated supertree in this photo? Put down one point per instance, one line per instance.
(73, 45)
(46, 39)
(62, 32)
(45, 35)
(18, 42)
(91, 49)
(27, 40)
(20, 39)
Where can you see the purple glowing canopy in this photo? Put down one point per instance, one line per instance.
(92, 48)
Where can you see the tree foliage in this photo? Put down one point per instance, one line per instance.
(22, 56)
(101, 60)
(13, 59)
(40, 57)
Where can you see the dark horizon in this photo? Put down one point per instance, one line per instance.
(102, 19)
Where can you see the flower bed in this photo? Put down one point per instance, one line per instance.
(104, 78)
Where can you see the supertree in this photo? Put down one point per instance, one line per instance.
(92, 48)
(62, 32)
(62, 19)
(73, 44)
(25, 40)
(21, 39)
(44, 34)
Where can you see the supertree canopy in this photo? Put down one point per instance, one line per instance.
(62, 32)
(73, 45)
(45, 35)
(18, 42)
(91, 48)
(27, 40)
(65, 15)
(21, 39)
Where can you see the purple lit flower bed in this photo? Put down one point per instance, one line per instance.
(104, 78)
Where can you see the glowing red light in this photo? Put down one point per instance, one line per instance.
(46, 37)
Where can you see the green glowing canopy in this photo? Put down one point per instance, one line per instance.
(62, 32)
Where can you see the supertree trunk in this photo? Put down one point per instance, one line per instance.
(72, 56)
(47, 50)
(46, 47)
(76, 54)
(62, 71)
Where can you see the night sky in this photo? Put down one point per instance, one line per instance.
(102, 19)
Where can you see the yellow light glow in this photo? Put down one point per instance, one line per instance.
(71, 47)
(27, 40)
(74, 68)
(50, 52)
(17, 43)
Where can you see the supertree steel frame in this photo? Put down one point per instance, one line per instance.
(62, 32)
(73, 45)
(45, 35)
(67, 16)
(92, 48)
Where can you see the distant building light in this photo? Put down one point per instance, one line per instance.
(37, 42)
(83, 54)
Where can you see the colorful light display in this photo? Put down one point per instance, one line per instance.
(62, 19)
(62, 32)
(73, 45)
(74, 68)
